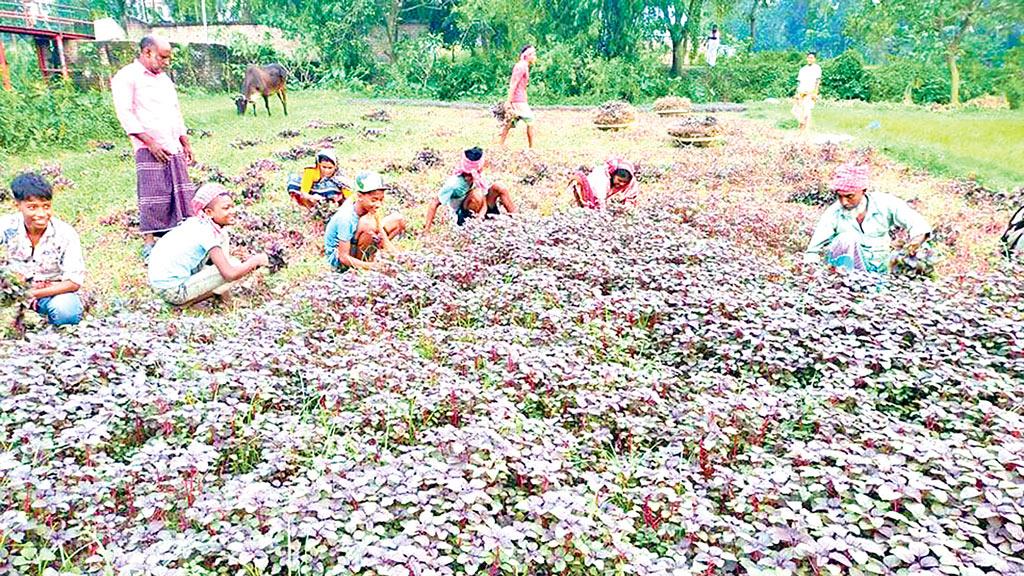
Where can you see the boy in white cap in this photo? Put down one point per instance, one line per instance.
(357, 231)
(191, 262)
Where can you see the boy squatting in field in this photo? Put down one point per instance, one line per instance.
(191, 262)
(853, 233)
(468, 193)
(44, 251)
(319, 182)
(356, 231)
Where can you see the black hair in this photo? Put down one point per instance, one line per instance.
(146, 42)
(29, 185)
(321, 157)
(525, 48)
(623, 173)
(474, 154)
(812, 53)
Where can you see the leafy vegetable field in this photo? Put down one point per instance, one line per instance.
(575, 394)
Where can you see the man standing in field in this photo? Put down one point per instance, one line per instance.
(808, 85)
(146, 103)
(516, 105)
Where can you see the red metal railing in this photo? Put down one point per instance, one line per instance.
(46, 17)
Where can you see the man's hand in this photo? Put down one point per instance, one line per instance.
(914, 245)
(261, 260)
(154, 147)
(186, 149)
(37, 287)
(159, 153)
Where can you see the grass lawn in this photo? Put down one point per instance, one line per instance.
(719, 181)
(985, 144)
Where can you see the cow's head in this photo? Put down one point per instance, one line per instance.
(242, 103)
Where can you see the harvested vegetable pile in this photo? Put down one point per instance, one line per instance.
(666, 404)
(243, 143)
(426, 158)
(612, 113)
(202, 173)
(378, 116)
(297, 152)
(696, 127)
(672, 103)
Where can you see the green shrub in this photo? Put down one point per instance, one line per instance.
(56, 115)
(1011, 81)
(474, 78)
(844, 77)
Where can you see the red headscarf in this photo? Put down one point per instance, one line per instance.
(626, 194)
(850, 177)
(475, 169)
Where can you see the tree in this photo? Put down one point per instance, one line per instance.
(938, 28)
(681, 20)
(756, 5)
(396, 12)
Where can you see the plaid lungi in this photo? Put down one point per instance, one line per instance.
(165, 191)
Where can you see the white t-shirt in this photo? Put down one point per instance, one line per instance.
(183, 251)
(807, 80)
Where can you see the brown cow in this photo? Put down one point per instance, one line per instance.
(264, 80)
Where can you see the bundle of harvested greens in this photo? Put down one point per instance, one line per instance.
(696, 127)
(503, 114)
(670, 104)
(378, 116)
(615, 114)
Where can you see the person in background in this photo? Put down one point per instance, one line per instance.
(853, 233)
(807, 90)
(319, 182)
(356, 231)
(44, 250)
(614, 181)
(468, 193)
(146, 103)
(516, 102)
(191, 262)
(711, 44)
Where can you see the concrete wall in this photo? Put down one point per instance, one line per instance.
(194, 65)
(214, 34)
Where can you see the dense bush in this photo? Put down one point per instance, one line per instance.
(1011, 80)
(55, 115)
(844, 78)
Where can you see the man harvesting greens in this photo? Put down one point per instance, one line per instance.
(356, 231)
(853, 233)
(468, 193)
(191, 262)
(44, 251)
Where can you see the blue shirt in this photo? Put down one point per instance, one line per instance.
(454, 188)
(326, 187)
(183, 251)
(341, 228)
(883, 212)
